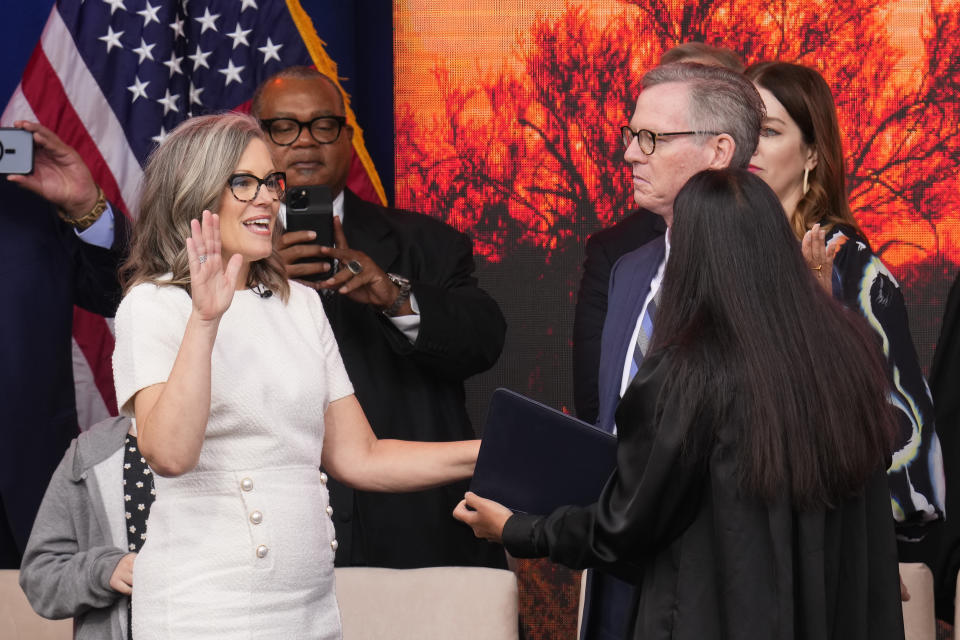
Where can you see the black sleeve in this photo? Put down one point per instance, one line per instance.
(589, 314)
(649, 500)
(462, 329)
(96, 270)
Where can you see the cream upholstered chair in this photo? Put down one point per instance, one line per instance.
(919, 618)
(18, 621)
(468, 603)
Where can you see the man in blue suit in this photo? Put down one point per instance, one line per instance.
(608, 245)
(688, 118)
(62, 246)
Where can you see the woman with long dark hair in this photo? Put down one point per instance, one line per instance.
(801, 157)
(749, 498)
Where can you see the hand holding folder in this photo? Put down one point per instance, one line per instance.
(534, 459)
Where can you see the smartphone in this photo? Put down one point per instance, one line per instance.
(311, 208)
(16, 150)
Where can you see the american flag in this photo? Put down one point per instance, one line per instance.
(113, 77)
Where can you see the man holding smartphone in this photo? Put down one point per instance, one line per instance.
(409, 318)
(62, 246)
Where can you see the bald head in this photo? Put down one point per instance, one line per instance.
(303, 94)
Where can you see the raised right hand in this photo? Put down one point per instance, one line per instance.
(819, 257)
(212, 286)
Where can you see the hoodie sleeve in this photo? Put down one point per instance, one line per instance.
(59, 578)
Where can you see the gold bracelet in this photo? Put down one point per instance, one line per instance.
(84, 222)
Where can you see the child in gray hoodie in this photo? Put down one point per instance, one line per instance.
(79, 559)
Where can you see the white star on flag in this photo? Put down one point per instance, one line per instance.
(270, 50)
(195, 94)
(208, 21)
(138, 89)
(149, 14)
(169, 102)
(174, 63)
(177, 26)
(114, 5)
(239, 36)
(144, 51)
(232, 72)
(112, 38)
(200, 58)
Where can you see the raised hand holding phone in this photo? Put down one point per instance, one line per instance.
(16, 151)
(59, 173)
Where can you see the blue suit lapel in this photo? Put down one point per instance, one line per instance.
(629, 285)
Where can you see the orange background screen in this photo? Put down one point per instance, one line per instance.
(507, 118)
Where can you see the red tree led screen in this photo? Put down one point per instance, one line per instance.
(507, 121)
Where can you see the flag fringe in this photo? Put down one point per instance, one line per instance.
(326, 65)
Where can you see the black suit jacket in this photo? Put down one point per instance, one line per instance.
(46, 271)
(940, 549)
(603, 249)
(413, 391)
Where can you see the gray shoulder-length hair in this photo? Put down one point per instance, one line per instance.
(186, 174)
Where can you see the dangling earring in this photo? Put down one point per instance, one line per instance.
(806, 181)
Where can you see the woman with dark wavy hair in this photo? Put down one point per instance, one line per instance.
(749, 498)
(801, 157)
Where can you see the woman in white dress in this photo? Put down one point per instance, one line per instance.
(239, 395)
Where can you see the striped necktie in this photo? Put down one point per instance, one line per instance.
(645, 335)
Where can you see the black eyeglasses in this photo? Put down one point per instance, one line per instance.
(647, 140)
(245, 186)
(284, 131)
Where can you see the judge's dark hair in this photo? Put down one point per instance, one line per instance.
(807, 99)
(749, 327)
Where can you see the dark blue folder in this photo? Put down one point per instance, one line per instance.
(534, 459)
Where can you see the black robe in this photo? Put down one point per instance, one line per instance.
(710, 562)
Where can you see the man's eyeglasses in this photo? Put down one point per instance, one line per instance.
(284, 131)
(647, 140)
(245, 186)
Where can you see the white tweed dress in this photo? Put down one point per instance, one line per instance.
(242, 546)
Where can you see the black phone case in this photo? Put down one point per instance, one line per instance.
(310, 208)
